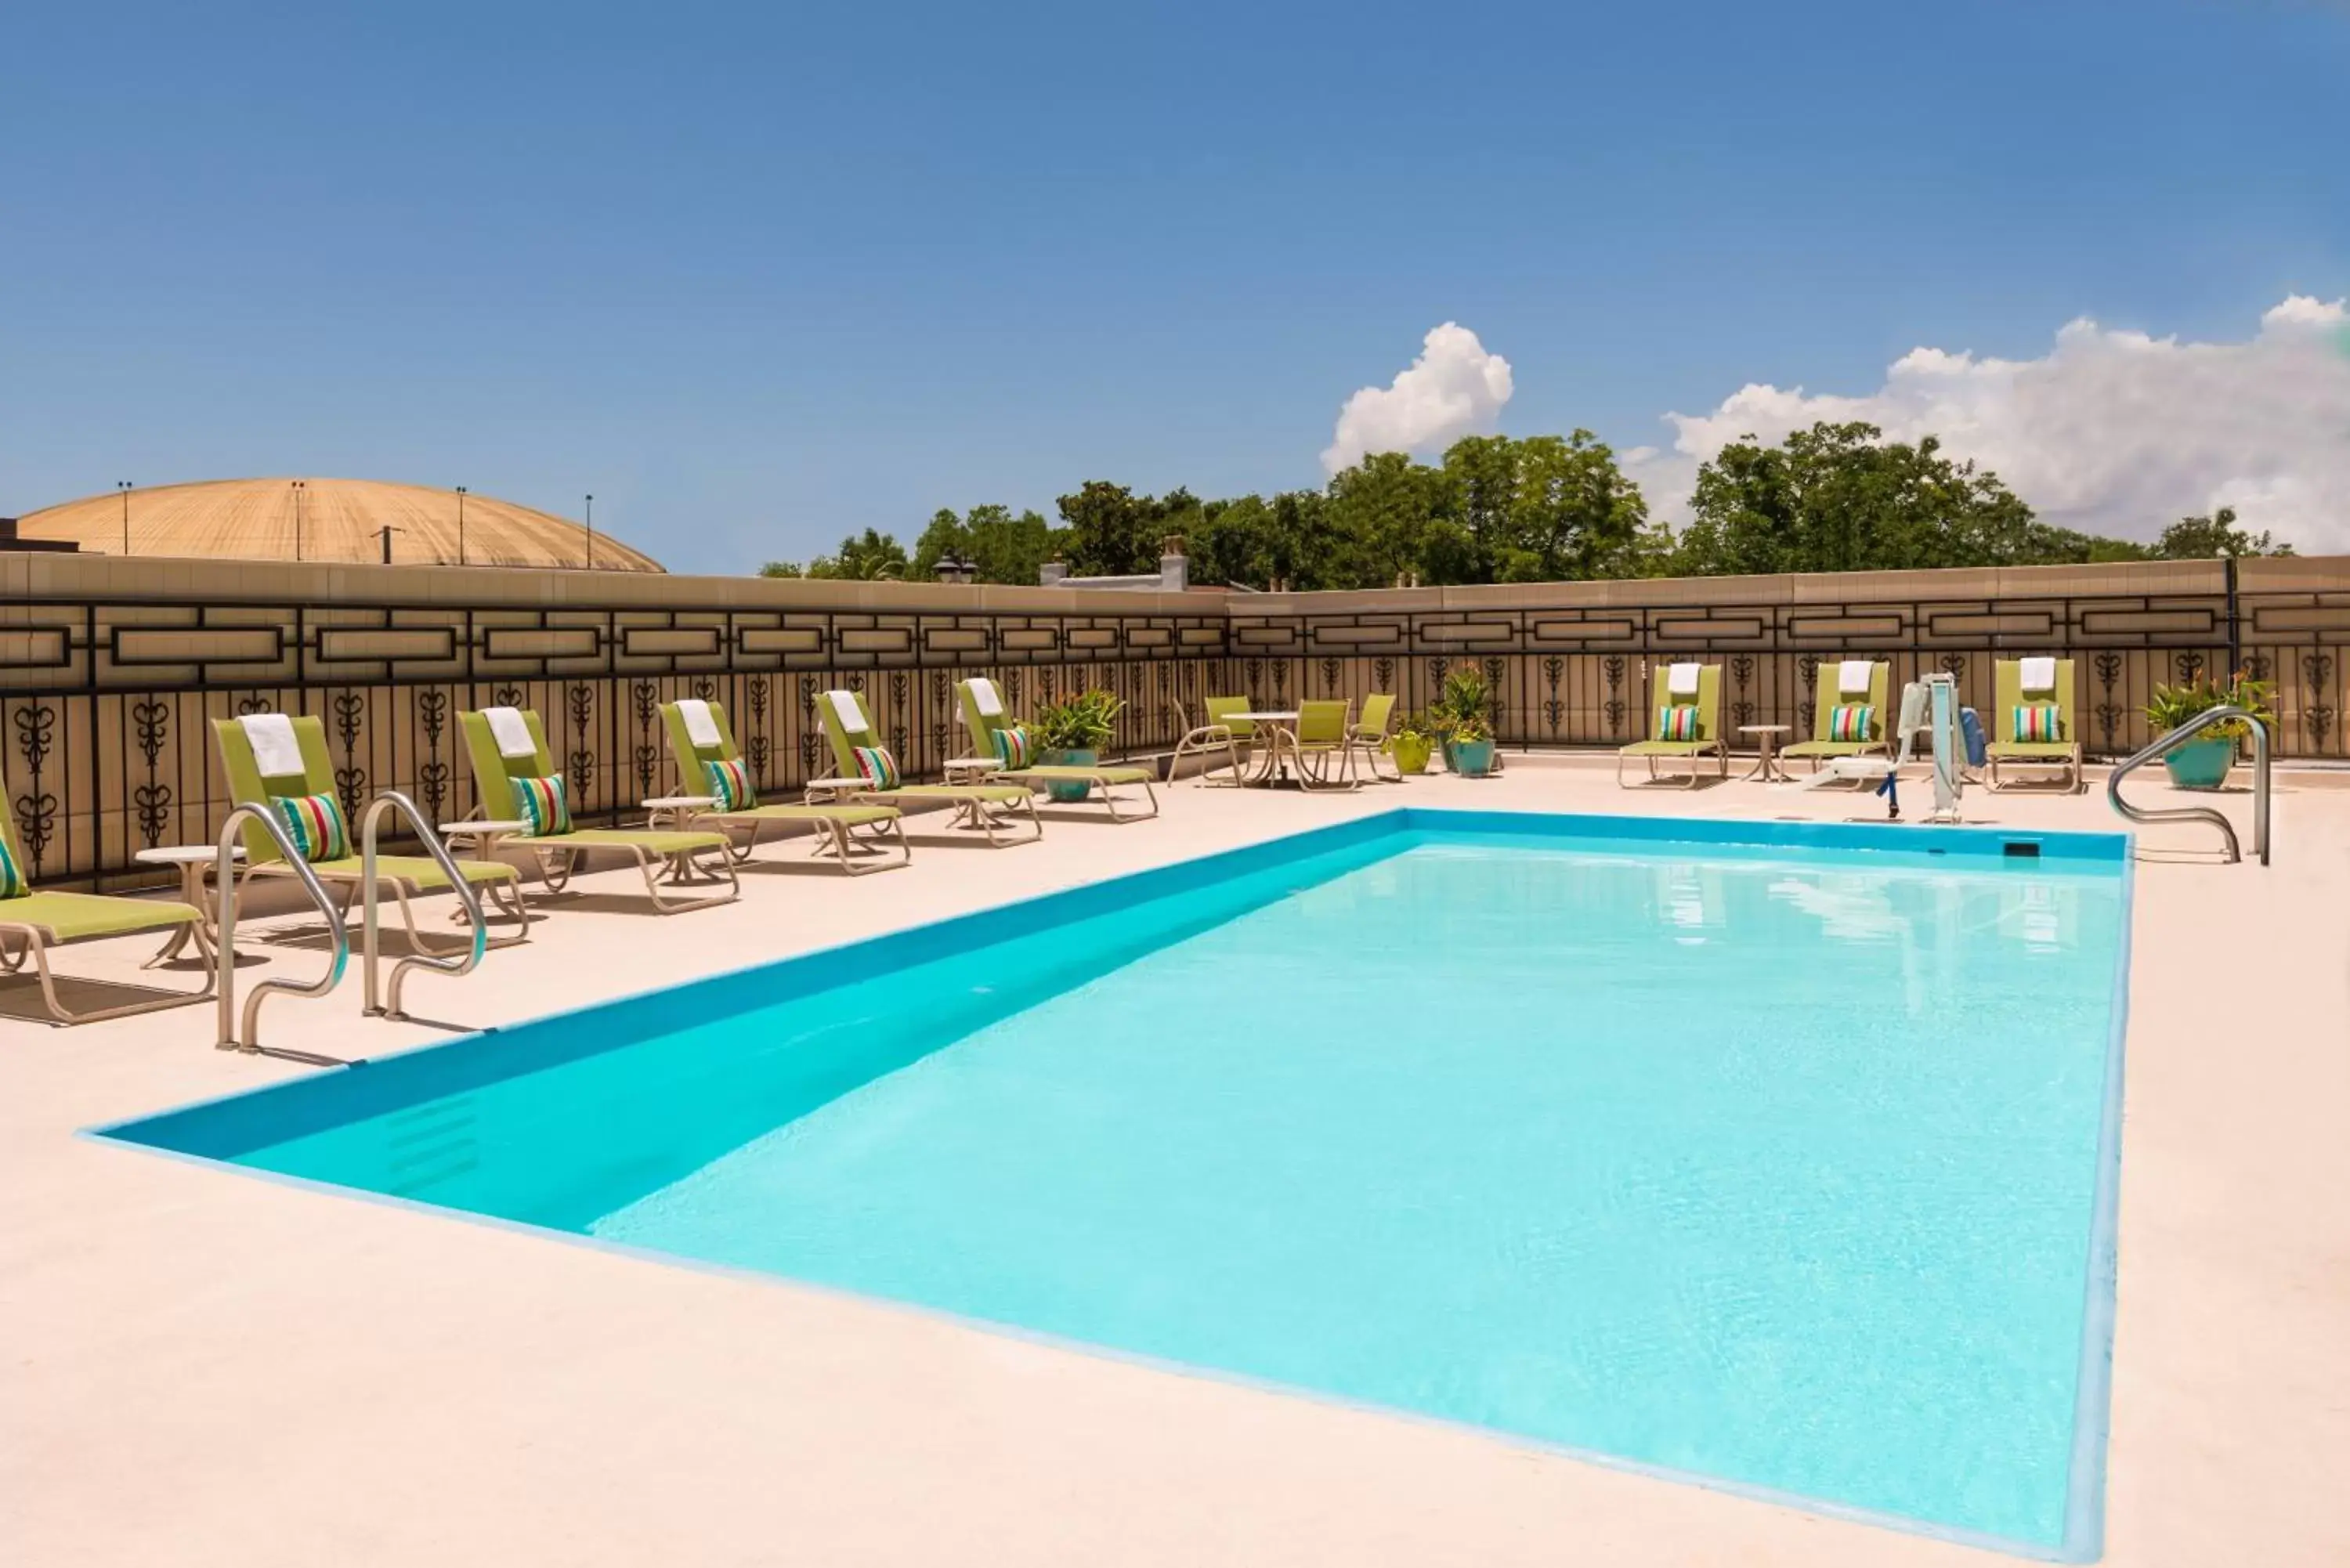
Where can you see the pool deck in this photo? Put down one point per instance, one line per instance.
(204, 1367)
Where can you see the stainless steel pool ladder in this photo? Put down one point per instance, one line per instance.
(2163, 744)
(385, 1001)
(224, 875)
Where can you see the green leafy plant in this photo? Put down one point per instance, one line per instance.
(2173, 706)
(1083, 724)
(1462, 702)
(1468, 730)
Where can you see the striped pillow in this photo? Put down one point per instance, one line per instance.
(877, 767)
(540, 803)
(2037, 721)
(1677, 723)
(1011, 745)
(730, 784)
(13, 883)
(1852, 721)
(314, 823)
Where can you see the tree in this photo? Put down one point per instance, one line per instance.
(2200, 538)
(1011, 549)
(782, 570)
(872, 556)
(1111, 530)
(946, 535)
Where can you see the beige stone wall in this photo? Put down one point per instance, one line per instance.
(109, 667)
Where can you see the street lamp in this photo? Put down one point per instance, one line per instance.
(387, 531)
(461, 525)
(953, 568)
(123, 485)
(591, 532)
(298, 487)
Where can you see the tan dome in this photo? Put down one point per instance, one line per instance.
(253, 519)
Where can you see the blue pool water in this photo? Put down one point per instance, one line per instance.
(1777, 1164)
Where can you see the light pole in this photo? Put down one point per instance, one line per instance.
(591, 532)
(123, 485)
(298, 487)
(386, 532)
(461, 525)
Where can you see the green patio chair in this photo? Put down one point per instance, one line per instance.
(1367, 736)
(1828, 696)
(32, 923)
(560, 847)
(1705, 719)
(836, 827)
(1324, 746)
(1100, 781)
(976, 806)
(404, 875)
(1222, 731)
(2010, 695)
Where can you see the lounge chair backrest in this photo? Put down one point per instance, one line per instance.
(495, 772)
(249, 786)
(689, 757)
(1827, 695)
(983, 726)
(1221, 710)
(1377, 709)
(844, 740)
(2008, 693)
(1709, 697)
(1322, 723)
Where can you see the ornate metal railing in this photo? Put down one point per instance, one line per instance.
(108, 672)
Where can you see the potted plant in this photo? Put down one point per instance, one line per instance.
(1473, 746)
(1413, 743)
(1462, 701)
(1075, 733)
(2203, 763)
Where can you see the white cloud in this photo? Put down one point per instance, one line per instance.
(2112, 432)
(1453, 388)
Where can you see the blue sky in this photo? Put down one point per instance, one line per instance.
(758, 275)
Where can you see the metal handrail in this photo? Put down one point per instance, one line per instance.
(224, 875)
(371, 889)
(2162, 745)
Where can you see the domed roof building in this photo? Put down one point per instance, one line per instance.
(336, 520)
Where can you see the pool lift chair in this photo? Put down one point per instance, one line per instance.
(1930, 707)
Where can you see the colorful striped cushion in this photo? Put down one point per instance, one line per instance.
(314, 823)
(877, 767)
(540, 803)
(1852, 721)
(730, 784)
(1677, 723)
(13, 883)
(1012, 747)
(2038, 722)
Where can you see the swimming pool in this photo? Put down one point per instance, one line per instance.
(1778, 1157)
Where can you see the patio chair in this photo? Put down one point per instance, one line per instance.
(1838, 730)
(708, 762)
(517, 780)
(2032, 722)
(866, 771)
(1221, 733)
(992, 731)
(1368, 735)
(1325, 748)
(272, 757)
(32, 923)
(1688, 722)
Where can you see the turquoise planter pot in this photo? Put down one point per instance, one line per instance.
(1069, 793)
(2201, 765)
(1473, 759)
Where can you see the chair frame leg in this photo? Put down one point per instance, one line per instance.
(37, 944)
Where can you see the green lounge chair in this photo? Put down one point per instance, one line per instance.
(404, 875)
(1222, 731)
(31, 923)
(976, 806)
(1709, 739)
(1101, 783)
(2062, 754)
(1826, 696)
(1369, 735)
(1325, 748)
(835, 825)
(494, 773)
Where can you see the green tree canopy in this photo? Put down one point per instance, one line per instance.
(2200, 538)
(870, 556)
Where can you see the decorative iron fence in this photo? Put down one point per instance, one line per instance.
(109, 672)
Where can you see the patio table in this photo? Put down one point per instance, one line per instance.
(1277, 727)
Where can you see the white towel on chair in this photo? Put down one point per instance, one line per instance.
(276, 752)
(983, 697)
(511, 731)
(846, 708)
(2039, 675)
(700, 727)
(1680, 680)
(1852, 676)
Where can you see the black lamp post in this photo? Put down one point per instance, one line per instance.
(953, 568)
(591, 532)
(461, 525)
(123, 485)
(298, 487)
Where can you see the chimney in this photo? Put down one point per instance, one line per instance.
(1174, 571)
(1052, 572)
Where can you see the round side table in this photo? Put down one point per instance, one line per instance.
(192, 860)
(1766, 749)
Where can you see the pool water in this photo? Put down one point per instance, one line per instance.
(1774, 1165)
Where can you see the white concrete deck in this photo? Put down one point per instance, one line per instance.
(202, 1367)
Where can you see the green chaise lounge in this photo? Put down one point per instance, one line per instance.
(850, 730)
(1703, 708)
(508, 746)
(32, 923)
(984, 715)
(1829, 693)
(2021, 683)
(700, 736)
